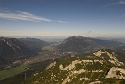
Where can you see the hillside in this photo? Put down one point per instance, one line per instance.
(121, 49)
(79, 44)
(34, 44)
(100, 67)
(12, 49)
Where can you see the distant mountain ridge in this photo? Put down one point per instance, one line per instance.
(33, 43)
(82, 44)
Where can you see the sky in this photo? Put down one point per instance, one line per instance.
(94, 18)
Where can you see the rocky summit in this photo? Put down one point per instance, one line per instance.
(100, 67)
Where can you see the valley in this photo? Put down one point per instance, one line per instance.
(62, 41)
(77, 59)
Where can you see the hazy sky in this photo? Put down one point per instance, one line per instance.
(62, 17)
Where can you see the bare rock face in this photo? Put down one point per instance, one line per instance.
(100, 67)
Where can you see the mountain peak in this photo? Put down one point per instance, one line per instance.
(76, 37)
(80, 44)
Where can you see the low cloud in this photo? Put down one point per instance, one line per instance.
(24, 16)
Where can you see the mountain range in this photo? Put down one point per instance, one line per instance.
(80, 44)
(89, 61)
